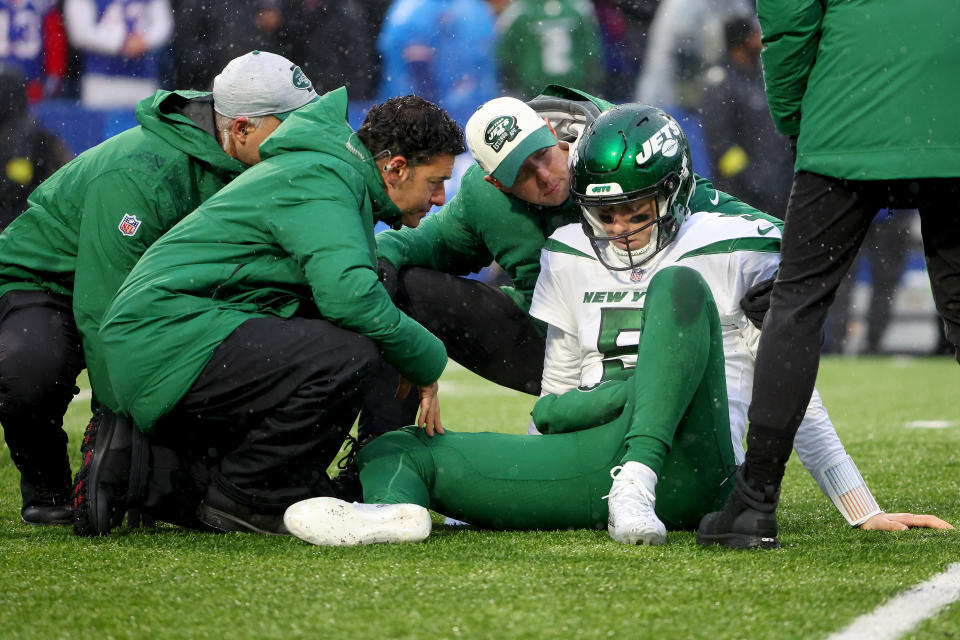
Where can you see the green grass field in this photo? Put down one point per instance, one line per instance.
(170, 583)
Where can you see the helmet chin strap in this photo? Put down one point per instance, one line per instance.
(632, 257)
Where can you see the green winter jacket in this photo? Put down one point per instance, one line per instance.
(296, 229)
(870, 86)
(481, 223)
(89, 223)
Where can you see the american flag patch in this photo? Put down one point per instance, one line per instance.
(129, 225)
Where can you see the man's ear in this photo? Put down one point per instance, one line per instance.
(495, 182)
(395, 170)
(395, 163)
(239, 128)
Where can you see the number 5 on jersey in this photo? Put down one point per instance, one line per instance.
(616, 325)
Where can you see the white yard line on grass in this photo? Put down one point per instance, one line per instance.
(907, 610)
(930, 424)
(84, 394)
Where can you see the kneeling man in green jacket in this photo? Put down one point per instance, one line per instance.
(244, 337)
(65, 257)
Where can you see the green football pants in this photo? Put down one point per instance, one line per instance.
(671, 415)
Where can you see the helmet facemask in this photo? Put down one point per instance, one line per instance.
(663, 226)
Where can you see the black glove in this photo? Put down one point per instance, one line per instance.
(756, 301)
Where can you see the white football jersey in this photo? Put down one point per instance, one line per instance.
(594, 314)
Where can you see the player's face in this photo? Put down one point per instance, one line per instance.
(417, 189)
(627, 218)
(544, 178)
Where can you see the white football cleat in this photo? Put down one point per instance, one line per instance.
(631, 500)
(337, 523)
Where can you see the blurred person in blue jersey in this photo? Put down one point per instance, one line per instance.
(32, 39)
(120, 41)
(441, 50)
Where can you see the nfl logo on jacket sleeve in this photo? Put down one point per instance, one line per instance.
(129, 225)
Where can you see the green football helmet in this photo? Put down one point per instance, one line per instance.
(632, 152)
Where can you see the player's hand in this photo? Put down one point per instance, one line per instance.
(429, 416)
(901, 521)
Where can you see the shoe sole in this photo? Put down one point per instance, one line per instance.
(66, 520)
(652, 538)
(738, 541)
(336, 523)
(226, 523)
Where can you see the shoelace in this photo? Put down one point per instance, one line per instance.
(641, 498)
(613, 474)
(347, 460)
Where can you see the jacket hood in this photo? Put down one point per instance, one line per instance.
(321, 126)
(165, 114)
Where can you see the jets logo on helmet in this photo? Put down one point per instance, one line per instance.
(610, 188)
(500, 131)
(663, 141)
(633, 157)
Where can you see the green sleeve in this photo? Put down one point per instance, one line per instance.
(706, 198)
(444, 241)
(321, 227)
(791, 37)
(580, 409)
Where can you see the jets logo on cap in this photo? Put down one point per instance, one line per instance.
(500, 131)
(300, 79)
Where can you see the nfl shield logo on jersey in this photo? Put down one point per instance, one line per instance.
(636, 275)
(129, 225)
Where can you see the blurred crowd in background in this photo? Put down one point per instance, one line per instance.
(697, 59)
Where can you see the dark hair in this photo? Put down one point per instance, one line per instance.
(412, 127)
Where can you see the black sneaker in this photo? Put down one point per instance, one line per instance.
(747, 521)
(48, 508)
(102, 483)
(224, 515)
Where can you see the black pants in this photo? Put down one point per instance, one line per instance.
(886, 247)
(827, 220)
(271, 409)
(40, 358)
(482, 329)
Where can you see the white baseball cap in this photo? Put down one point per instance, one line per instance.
(260, 83)
(503, 133)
